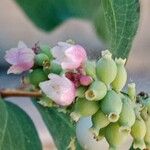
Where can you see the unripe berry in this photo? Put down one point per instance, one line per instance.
(132, 91)
(55, 68)
(114, 136)
(111, 105)
(84, 108)
(147, 104)
(127, 115)
(99, 121)
(90, 68)
(138, 132)
(106, 68)
(96, 91)
(46, 50)
(41, 58)
(121, 77)
(147, 135)
(37, 76)
(101, 134)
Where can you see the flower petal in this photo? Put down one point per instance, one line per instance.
(60, 89)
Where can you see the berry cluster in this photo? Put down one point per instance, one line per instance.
(87, 88)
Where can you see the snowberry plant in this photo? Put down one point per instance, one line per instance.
(66, 86)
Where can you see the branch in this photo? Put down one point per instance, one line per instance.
(19, 93)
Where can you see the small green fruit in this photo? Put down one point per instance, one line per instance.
(37, 76)
(127, 115)
(121, 77)
(114, 136)
(96, 91)
(84, 108)
(138, 131)
(90, 68)
(99, 121)
(147, 135)
(41, 58)
(46, 50)
(101, 134)
(132, 91)
(106, 68)
(147, 104)
(111, 105)
(55, 68)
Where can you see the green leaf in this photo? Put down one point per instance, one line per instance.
(60, 126)
(17, 131)
(47, 14)
(116, 21)
(121, 19)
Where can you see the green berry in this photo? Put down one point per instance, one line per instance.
(138, 132)
(114, 136)
(132, 91)
(106, 68)
(147, 135)
(41, 58)
(46, 50)
(99, 121)
(111, 105)
(37, 76)
(121, 77)
(96, 91)
(84, 108)
(146, 103)
(90, 68)
(55, 68)
(127, 115)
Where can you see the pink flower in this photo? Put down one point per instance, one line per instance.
(69, 56)
(21, 58)
(60, 89)
(79, 79)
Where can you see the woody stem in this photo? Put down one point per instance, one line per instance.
(19, 93)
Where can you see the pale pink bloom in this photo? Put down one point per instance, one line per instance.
(69, 56)
(59, 89)
(21, 58)
(85, 80)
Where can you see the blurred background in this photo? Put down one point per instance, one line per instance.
(15, 26)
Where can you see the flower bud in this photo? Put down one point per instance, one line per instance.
(85, 80)
(90, 68)
(96, 91)
(41, 58)
(46, 50)
(99, 121)
(114, 136)
(37, 76)
(106, 68)
(147, 135)
(121, 76)
(138, 132)
(127, 115)
(132, 91)
(111, 105)
(84, 108)
(147, 104)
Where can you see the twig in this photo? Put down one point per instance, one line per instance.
(19, 93)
